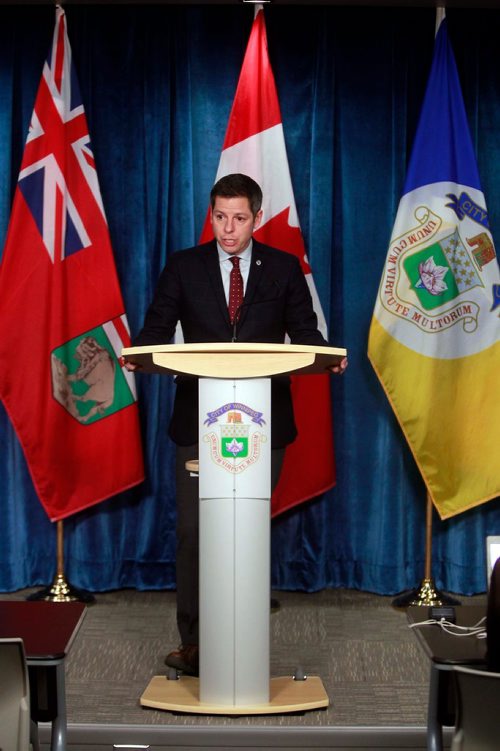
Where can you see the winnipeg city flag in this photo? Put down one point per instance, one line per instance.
(435, 333)
(254, 144)
(62, 318)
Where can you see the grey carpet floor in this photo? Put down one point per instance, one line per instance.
(373, 670)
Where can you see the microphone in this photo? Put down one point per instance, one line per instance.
(251, 304)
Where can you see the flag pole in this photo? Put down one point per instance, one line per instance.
(426, 594)
(60, 590)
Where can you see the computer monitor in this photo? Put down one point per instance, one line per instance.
(492, 553)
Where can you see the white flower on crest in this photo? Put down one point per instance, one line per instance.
(235, 447)
(431, 276)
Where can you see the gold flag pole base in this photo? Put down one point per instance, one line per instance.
(426, 594)
(61, 591)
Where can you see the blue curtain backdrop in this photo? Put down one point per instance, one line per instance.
(158, 83)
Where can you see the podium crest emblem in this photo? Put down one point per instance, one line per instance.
(234, 436)
(237, 443)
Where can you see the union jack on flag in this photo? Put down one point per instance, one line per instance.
(62, 320)
(58, 155)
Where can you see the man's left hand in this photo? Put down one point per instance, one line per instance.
(340, 368)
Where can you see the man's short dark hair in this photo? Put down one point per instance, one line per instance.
(235, 186)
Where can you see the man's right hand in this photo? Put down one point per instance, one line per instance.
(129, 364)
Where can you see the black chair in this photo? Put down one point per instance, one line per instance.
(15, 723)
(493, 621)
(477, 725)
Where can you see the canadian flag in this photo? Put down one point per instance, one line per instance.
(255, 145)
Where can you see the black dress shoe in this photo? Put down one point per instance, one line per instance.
(186, 659)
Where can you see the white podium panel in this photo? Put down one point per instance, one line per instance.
(235, 489)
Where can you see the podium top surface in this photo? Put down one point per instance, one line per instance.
(234, 359)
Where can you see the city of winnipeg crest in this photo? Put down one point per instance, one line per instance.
(87, 379)
(235, 442)
(441, 278)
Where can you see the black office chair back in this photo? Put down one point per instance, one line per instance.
(14, 697)
(478, 710)
(493, 621)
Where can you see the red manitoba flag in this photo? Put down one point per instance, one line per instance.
(62, 318)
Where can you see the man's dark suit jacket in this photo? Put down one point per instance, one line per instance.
(277, 302)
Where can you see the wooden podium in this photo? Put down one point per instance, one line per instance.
(234, 490)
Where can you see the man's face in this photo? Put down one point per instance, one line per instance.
(233, 223)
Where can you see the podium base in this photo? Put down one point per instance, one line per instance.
(286, 695)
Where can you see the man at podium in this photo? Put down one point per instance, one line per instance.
(230, 289)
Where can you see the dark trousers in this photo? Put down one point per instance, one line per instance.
(187, 556)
